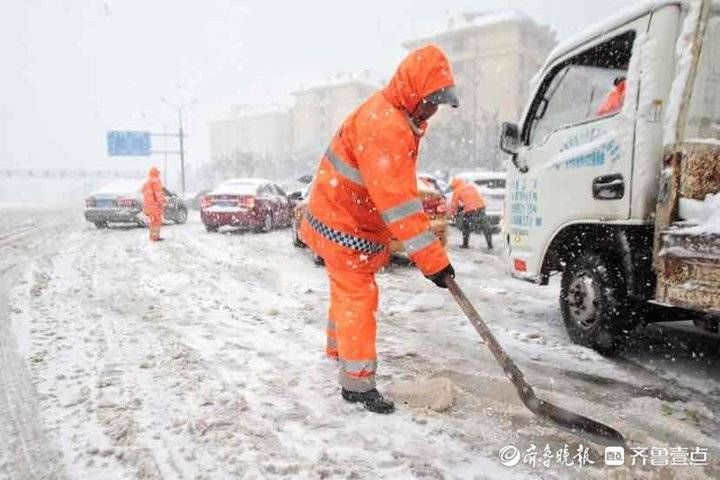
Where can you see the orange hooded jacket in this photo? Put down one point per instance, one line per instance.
(614, 100)
(465, 195)
(365, 189)
(153, 195)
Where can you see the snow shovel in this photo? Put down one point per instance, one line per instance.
(600, 433)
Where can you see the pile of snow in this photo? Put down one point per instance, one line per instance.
(437, 394)
(705, 214)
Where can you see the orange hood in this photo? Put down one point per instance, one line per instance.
(154, 172)
(456, 183)
(424, 71)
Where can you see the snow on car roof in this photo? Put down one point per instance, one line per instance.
(481, 175)
(239, 186)
(120, 187)
(256, 181)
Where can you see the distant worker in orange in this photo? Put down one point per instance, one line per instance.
(154, 203)
(364, 194)
(615, 99)
(468, 206)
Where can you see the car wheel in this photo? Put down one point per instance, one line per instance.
(181, 216)
(101, 224)
(594, 304)
(212, 228)
(295, 227)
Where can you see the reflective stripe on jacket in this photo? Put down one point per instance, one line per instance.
(365, 188)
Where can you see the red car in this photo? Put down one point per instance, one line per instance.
(250, 203)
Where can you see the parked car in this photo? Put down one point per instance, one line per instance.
(192, 199)
(122, 202)
(492, 187)
(299, 205)
(251, 203)
(433, 201)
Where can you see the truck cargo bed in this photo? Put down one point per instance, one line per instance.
(689, 270)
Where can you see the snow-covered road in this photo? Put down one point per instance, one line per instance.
(202, 357)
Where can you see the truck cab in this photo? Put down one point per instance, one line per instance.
(622, 129)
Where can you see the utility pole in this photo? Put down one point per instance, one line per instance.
(181, 136)
(182, 151)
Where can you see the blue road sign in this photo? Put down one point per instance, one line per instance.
(132, 143)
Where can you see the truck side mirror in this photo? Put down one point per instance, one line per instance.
(509, 138)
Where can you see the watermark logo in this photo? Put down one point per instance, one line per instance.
(614, 456)
(536, 456)
(509, 455)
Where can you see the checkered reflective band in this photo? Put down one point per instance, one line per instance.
(344, 239)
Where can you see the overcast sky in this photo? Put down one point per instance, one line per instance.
(76, 68)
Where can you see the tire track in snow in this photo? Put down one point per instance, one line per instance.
(25, 452)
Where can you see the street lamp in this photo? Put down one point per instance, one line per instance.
(153, 118)
(181, 136)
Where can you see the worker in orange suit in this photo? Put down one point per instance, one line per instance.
(615, 99)
(154, 203)
(364, 193)
(468, 206)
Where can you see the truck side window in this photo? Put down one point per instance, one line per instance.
(588, 86)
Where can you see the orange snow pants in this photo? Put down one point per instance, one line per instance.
(155, 224)
(351, 327)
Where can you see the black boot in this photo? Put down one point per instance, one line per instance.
(372, 399)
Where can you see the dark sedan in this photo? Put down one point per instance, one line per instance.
(121, 202)
(248, 203)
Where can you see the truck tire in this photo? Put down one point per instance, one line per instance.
(593, 301)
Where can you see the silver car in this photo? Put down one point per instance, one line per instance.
(122, 202)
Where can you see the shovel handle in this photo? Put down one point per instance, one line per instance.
(508, 366)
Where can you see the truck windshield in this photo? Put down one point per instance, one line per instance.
(704, 110)
(584, 87)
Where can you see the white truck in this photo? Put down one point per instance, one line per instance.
(614, 175)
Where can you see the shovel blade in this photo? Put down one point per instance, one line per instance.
(576, 423)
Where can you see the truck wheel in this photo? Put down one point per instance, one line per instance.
(593, 299)
(211, 228)
(100, 225)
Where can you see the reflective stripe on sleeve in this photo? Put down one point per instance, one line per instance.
(351, 173)
(402, 211)
(418, 242)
